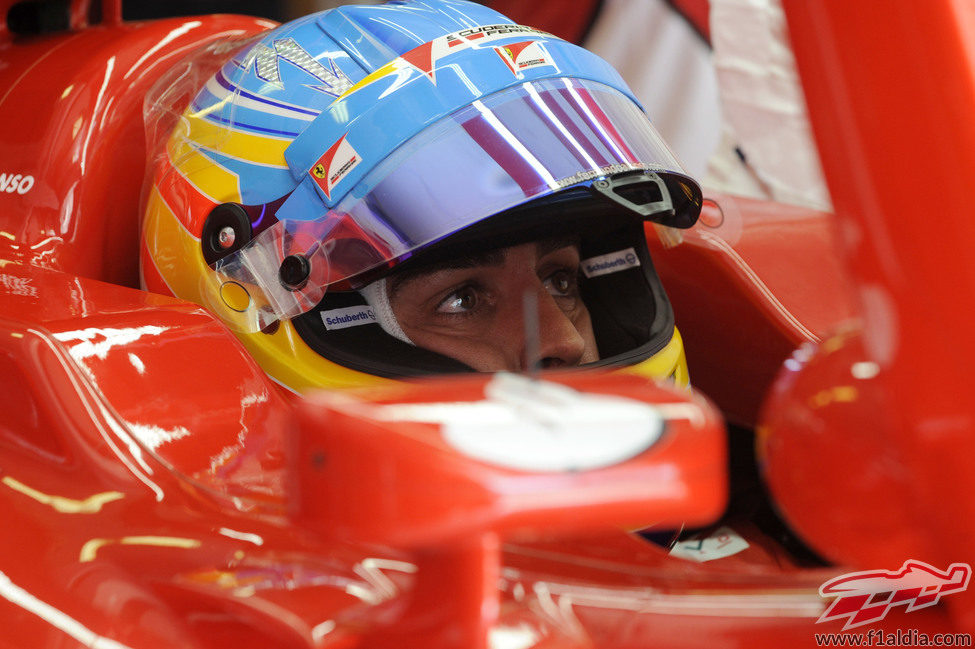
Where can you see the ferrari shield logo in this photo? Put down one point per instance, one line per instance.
(334, 165)
(523, 56)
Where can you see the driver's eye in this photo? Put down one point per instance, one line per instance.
(561, 283)
(460, 301)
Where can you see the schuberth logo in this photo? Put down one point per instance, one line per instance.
(610, 263)
(867, 596)
(334, 165)
(348, 317)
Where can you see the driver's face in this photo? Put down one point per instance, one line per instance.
(472, 309)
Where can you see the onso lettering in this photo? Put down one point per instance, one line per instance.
(19, 183)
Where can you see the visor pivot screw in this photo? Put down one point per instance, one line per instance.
(602, 184)
(294, 272)
(227, 229)
(226, 237)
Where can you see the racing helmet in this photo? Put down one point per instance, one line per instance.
(341, 147)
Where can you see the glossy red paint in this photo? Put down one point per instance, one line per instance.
(415, 490)
(891, 92)
(829, 392)
(397, 462)
(160, 491)
(155, 528)
(752, 281)
(74, 142)
(178, 516)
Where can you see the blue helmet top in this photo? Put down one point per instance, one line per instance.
(403, 123)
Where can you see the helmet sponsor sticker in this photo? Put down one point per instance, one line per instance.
(611, 262)
(334, 165)
(719, 544)
(523, 56)
(490, 33)
(15, 183)
(424, 58)
(868, 595)
(350, 316)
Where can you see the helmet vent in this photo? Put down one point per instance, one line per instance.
(640, 194)
(643, 193)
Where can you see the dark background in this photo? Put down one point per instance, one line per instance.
(279, 10)
(42, 16)
(31, 17)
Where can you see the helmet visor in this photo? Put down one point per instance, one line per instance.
(499, 152)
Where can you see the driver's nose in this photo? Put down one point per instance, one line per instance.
(559, 342)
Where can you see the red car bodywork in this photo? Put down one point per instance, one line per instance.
(159, 490)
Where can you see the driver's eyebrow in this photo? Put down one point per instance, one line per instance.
(489, 258)
(552, 244)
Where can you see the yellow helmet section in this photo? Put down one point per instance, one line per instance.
(264, 150)
(282, 353)
(669, 363)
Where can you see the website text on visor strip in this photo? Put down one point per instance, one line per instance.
(505, 149)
